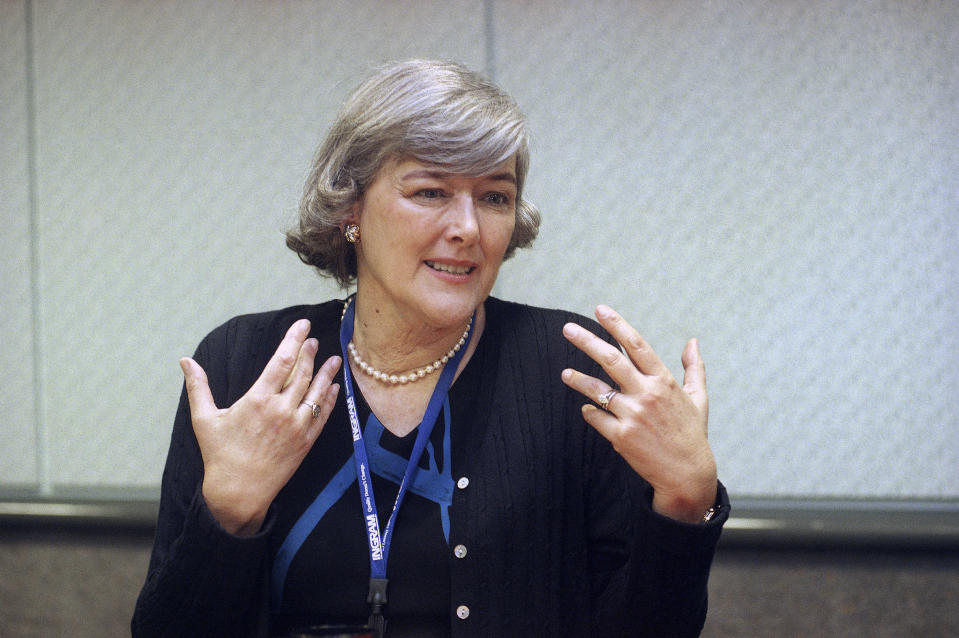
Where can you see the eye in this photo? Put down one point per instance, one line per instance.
(430, 193)
(497, 199)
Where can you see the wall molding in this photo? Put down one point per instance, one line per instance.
(754, 523)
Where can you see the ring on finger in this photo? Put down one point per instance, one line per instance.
(314, 407)
(604, 399)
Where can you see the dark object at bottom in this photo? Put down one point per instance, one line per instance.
(332, 631)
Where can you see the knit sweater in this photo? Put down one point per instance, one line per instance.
(561, 536)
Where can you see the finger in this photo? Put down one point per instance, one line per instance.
(602, 421)
(590, 387)
(638, 351)
(326, 404)
(283, 361)
(329, 399)
(694, 376)
(300, 377)
(326, 400)
(197, 389)
(613, 361)
(322, 381)
(323, 410)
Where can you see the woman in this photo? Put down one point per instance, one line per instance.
(444, 480)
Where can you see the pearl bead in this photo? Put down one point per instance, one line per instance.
(413, 375)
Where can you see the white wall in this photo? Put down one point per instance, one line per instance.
(779, 180)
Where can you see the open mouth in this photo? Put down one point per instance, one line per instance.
(456, 270)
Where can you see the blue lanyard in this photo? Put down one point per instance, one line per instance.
(379, 545)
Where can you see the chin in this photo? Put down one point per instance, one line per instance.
(454, 311)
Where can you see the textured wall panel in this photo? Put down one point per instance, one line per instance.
(781, 181)
(173, 142)
(18, 444)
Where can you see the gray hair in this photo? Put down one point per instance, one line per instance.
(435, 112)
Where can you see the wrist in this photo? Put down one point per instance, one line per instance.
(689, 500)
(232, 509)
(687, 509)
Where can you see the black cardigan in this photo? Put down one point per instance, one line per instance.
(562, 539)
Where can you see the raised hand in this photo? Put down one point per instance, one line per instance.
(658, 426)
(251, 449)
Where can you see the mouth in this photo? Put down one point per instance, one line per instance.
(450, 268)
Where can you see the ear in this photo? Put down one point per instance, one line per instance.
(352, 215)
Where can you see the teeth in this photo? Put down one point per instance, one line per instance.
(456, 270)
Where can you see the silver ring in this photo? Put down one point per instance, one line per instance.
(604, 399)
(314, 407)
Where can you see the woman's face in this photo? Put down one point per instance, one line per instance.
(431, 242)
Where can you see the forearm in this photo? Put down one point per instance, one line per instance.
(658, 587)
(670, 563)
(208, 583)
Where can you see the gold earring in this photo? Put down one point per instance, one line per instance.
(352, 233)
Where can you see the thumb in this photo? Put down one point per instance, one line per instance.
(694, 377)
(197, 389)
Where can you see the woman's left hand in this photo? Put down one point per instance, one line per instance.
(658, 426)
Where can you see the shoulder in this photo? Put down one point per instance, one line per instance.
(529, 340)
(248, 334)
(524, 320)
(234, 353)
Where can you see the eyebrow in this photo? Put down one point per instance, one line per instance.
(506, 176)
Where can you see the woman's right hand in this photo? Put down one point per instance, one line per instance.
(251, 449)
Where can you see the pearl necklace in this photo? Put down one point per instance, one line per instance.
(409, 377)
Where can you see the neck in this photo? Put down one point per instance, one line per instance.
(395, 344)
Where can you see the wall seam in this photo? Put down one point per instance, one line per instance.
(490, 40)
(41, 432)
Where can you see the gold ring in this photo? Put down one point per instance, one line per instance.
(604, 399)
(314, 407)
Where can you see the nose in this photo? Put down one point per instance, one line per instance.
(462, 220)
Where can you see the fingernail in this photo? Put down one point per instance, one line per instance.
(567, 374)
(602, 310)
(185, 366)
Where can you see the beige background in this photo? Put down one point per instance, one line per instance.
(778, 179)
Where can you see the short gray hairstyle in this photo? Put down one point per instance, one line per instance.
(435, 112)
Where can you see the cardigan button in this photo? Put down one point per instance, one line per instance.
(459, 551)
(462, 483)
(462, 612)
